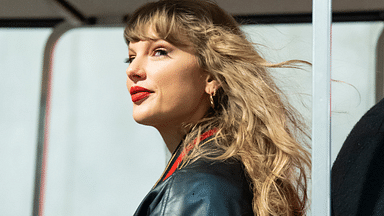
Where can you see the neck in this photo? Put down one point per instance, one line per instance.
(172, 137)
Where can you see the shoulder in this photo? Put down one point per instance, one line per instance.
(201, 188)
(213, 173)
(209, 188)
(364, 139)
(356, 174)
(216, 177)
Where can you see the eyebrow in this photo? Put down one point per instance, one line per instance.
(130, 50)
(152, 41)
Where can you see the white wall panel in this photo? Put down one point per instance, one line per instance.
(21, 54)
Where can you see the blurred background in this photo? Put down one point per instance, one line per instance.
(100, 162)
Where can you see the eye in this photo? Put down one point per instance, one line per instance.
(129, 60)
(160, 52)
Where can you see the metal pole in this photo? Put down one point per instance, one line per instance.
(321, 108)
(43, 127)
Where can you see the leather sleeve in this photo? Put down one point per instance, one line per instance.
(202, 193)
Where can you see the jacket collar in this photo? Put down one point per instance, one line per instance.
(180, 153)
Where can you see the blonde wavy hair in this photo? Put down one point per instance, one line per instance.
(256, 125)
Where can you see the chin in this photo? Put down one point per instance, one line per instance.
(146, 120)
(153, 121)
(141, 120)
(142, 115)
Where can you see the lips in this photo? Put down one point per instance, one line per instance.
(138, 93)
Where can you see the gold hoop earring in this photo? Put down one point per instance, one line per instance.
(211, 99)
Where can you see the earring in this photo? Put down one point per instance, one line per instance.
(211, 99)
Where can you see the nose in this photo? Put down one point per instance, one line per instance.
(135, 70)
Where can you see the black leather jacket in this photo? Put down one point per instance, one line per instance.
(200, 188)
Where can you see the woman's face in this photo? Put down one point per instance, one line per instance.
(166, 84)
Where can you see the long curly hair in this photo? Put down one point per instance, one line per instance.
(256, 124)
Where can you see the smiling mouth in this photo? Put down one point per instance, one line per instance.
(138, 93)
(139, 96)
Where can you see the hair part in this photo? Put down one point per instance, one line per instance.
(256, 124)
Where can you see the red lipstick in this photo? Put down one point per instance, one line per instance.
(138, 93)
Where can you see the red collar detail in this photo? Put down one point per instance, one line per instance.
(187, 149)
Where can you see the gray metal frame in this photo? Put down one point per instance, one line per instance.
(43, 128)
(45, 99)
(321, 108)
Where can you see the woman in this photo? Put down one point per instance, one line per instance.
(235, 142)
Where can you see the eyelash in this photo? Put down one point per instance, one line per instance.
(164, 52)
(129, 60)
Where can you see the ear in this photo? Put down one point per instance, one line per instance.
(211, 85)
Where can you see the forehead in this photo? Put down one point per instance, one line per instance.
(145, 44)
(141, 32)
(155, 30)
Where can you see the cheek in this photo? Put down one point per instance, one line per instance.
(128, 83)
(190, 74)
(180, 94)
(179, 82)
(188, 89)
